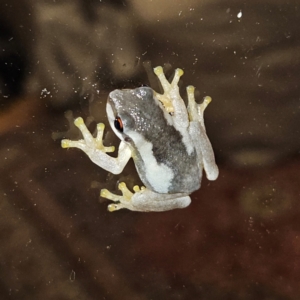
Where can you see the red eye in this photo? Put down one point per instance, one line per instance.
(118, 124)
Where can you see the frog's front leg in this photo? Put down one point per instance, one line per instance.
(94, 148)
(144, 199)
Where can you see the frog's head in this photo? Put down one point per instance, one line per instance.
(131, 111)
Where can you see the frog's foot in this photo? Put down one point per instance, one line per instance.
(171, 90)
(195, 110)
(88, 140)
(124, 201)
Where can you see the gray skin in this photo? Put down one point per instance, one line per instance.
(142, 113)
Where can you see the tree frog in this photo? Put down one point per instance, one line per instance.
(166, 139)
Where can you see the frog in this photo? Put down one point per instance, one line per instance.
(166, 139)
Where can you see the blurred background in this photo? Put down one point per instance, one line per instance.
(239, 238)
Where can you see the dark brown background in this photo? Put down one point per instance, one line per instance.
(240, 237)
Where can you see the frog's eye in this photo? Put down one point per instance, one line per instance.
(118, 124)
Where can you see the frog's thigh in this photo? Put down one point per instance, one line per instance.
(148, 200)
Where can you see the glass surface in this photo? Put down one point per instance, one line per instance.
(239, 238)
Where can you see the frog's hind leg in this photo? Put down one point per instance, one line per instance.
(144, 199)
(124, 201)
(148, 200)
